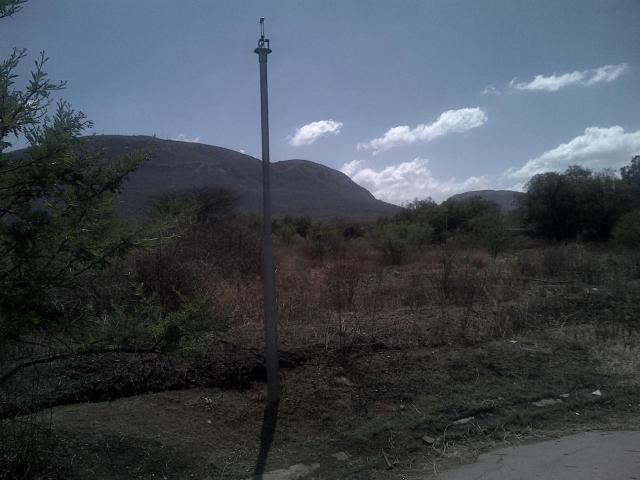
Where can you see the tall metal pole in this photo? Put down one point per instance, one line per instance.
(268, 274)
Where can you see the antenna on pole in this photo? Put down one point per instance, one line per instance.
(268, 272)
(262, 42)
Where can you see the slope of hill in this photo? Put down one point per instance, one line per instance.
(505, 199)
(299, 187)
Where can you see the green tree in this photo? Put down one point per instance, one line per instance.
(398, 239)
(419, 211)
(631, 173)
(460, 214)
(576, 203)
(491, 231)
(547, 206)
(9, 7)
(56, 198)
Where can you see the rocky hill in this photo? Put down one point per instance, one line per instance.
(299, 187)
(505, 199)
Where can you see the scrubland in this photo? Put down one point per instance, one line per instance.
(467, 346)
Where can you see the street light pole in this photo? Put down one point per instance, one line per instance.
(268, 274)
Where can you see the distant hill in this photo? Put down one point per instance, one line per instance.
(299, 187)
(505, 199)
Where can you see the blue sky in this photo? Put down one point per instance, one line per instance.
(410, 98)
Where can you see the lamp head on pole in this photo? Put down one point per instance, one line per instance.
(263, 43)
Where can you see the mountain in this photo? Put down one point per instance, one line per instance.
(298, 187)
(505, 199)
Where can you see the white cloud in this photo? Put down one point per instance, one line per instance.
(451, 121)
(596, 149)
(491, 90)
(585, 78)
(408, 180)
(349, 169)
(183, 138)
(309, 133)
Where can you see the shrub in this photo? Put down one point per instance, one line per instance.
(292, 226)
(491, 232)
(196, 206)
(524, 264)
(144, 323)
(452, 216)
(396, 240)
(553, 260)
(323, 239)
(202, 228)
(285, 231)
(627, 230)
(196, 238)
(460, 215)
(343, 279)
(458, 281)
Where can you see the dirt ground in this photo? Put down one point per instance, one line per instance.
(373, 406)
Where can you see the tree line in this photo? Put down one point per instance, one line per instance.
(579, 204)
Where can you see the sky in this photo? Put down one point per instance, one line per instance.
(411, 99)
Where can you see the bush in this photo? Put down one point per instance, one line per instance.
(201, 229)
(285, 231)
(145, 323)
(627, 230)
(553, 261)
(452, 216)
(196, 206)
(323, 239)
(196, 241)
(460, 215)
(288, 227)
(397, 240)
(491, 231)
(458, 280)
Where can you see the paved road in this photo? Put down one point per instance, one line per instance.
(586, 456)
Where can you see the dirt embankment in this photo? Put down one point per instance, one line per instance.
(112, 375)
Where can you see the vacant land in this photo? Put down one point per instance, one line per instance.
(402, 370)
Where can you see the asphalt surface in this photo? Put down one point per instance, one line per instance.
(585, 456)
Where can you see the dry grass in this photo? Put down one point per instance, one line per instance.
(442, 297)
(362, 319)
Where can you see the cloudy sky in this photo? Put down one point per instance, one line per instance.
(409, 98)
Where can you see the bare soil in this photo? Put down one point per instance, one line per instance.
(375, 404)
